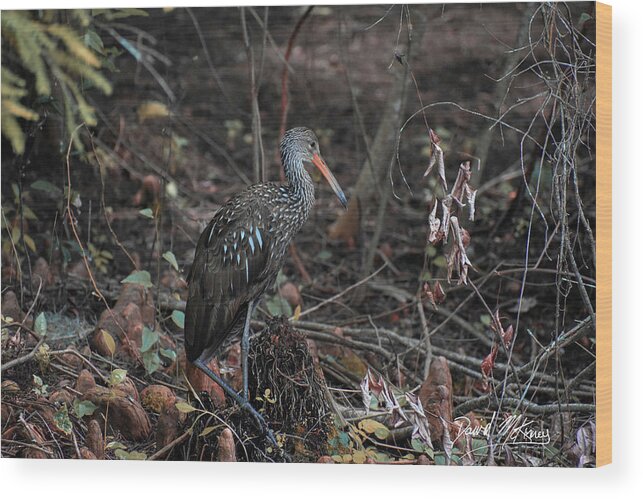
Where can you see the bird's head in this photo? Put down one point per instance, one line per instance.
(301, 145)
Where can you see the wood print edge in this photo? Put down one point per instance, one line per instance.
(604, 234)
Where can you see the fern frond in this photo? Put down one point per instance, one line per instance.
(11, 130)
(18, 110)
(83, 70)
(74, 45)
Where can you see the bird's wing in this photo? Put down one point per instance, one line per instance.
(232, 258)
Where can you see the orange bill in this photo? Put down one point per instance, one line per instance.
(332, 181)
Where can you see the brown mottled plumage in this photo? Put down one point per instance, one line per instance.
(242, 249)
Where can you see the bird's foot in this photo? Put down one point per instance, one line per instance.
(261, 424)
(267, 433)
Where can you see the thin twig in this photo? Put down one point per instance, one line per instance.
(342, 293)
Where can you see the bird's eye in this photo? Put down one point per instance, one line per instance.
(312, 144)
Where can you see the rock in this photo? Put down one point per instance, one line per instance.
(9, 386)
(167, 428)
(103, 342)
(423, 460)
(133, 309)
(128, 386)
(94, 439)
(226, 452)
(11, 308)
(85, 453)
(85, 382)
(233, 359)
(157, 397)
(78, 270)
(436, 395)
(291, 294)
(72, 360)
(201, 382)
(33, 434)
(125, 414)
(61, 397)
(41, 275)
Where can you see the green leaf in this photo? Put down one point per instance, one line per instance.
(141, 277)
(276, 305)
(115, 445)
(168, 353)
(93, 41)
(420, 446)
(324, 255)
(149, 339)
(479, 446)
(169, 257)
(116, 377)
(62, 421)
(151, 361)
(40, 325)
(178, 318)
(84, 408)
(184, 407)
(147, 212)
(485, 319)
(439, 261)
(171, 189)
(344, 438)
(47, 187)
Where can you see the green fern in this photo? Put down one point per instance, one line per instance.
(49, 51)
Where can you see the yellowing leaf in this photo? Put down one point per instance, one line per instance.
(359, 457)
(184, 407)
(74, 44)
(133, 455)
(206, 431)
(19, 110)
(296, 313)
(169, 257)
(374, 427)
(29, 242)
(109, 341)
(116, 377)
(151, 110)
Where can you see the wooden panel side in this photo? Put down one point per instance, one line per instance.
(604, 234)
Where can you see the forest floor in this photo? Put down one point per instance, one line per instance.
(371, 361)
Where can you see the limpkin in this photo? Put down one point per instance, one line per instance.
(240, 253)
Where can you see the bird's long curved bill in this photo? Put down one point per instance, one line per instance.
(332, 181)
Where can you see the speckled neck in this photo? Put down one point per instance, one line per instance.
(300, 185)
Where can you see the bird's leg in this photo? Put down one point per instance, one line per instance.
(245, 348)
(243, 403)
